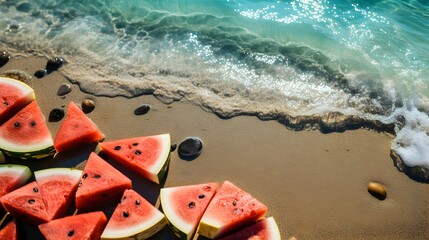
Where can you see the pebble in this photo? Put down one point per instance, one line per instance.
(191, 147)
(173, 147)
(54, 64)
(56, 115)
(4, 58)
(24, 7)
(64, 89)
(377, 190)
(40, 73)
(143, 109)
(88, 105)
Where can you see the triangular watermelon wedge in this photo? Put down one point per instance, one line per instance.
(9, 232)
(14, 95)
(26, 203)
(184, 205)
(100, 183)
(58, 187)
(148, 156)
(134, 217)
(13, 176)
(230, 210)
(76, 130)
(266, 229)
(87, 226)
(26, 135)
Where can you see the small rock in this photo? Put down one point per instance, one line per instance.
(143, 109)
(173, 147)
(13, 28)
(24, 7)
(64, 89)
(54, 64)
(56, 115)
(40, 73)
(377, 190)
(4, 58)
(190, 148)
(88, 105)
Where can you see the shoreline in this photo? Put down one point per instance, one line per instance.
(314, 184)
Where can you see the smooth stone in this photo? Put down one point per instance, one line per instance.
(4, 58)
(54, 64)
(377, 190)
(56, 115)
(143, 109)
(64, 89)
(191, 147)
(173, 147)
(88, 105)
(24, 7)
(40, 73)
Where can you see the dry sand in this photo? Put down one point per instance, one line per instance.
(314, 184)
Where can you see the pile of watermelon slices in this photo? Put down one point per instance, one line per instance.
(66, 203)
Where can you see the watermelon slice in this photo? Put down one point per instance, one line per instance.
(76, 130)
(14, 95)
(26, 135)
(148, 156)
(183, 206)
(9, 232)
(13, 176)
(58, 187)
(264, 230)
(26, 203)
(100, 183)
(230, 209)
(87, 226)
(133, 218)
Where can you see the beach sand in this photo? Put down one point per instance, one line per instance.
(314, 184)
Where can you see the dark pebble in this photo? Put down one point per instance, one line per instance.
(88, 105)
(24, 7)
(40, 73)
(54, 64)
(64, 89)
(56, 115)
(190, 147)
(4, 58)
(173, 147)
(143, 109)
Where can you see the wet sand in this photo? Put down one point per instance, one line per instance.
(314, 184)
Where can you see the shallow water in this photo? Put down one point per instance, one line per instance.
(266, 58)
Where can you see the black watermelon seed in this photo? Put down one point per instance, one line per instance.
(190, 147)
(201, 196)
(85, 175)
(104, 195)
(6, 103)
(16, 124)
(137, 152)
(135, 144)
(35, 189)
(191, 205)
(31, 201)
(137, 202)
(125, 214)
(40, 73)
(33, 123)
(118, 148)
(97, 176)
(143, 109)
(70, 233)
(234, 203)
(173, 147)
(4, 58)
(56, 115)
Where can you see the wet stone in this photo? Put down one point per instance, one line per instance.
(56, 115)
(143, 109)
(377, 190)
(88, 105)
(64, 89)
(4, 58)
(173, 147)
(54, 64)
(40, 73)
(24, 7)
(190, 147)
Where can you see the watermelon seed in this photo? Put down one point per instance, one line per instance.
(137, 202)
(6, 103)
(191, 205)
(137, 152)
(234, 203)
(85, 176)
(33, 123)
(125, 214)
(201, 196)
(70, 233)
(16, 124)
(97, 176)
(35, 189)
(135, 144)
(31, 201)
(118, 148)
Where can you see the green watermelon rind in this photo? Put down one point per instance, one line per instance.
(27, 91)
(23, 154)
(24, 172)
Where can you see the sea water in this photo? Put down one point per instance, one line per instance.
(270, 59)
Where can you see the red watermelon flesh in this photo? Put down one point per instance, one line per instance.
(76, 130)
(14, 95)
(9, 232)
(266, 229)
(58, 187)
(147, 156)
(134, 217)
(26, 203)
(230, 209)
(87, 226)
(100, 183)
(13, 176)
(184, 205)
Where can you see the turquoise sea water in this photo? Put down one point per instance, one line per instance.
(265, 58)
